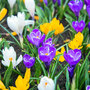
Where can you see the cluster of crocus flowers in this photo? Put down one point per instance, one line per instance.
(28, 61)
(46, 84)
(76, 6)
(61, 58)
(77, 41)
(3, 13)
(17, 23)
(35, 37)
(72, 57)
(53, 25)
(9, 55)
(78, 26)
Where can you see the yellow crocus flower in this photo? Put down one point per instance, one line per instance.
(3, 13)
(61, 58)
(2, 86)
(22, 83)
(76, 42)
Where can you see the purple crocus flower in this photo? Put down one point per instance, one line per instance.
(46, 54)
(78, 26)
(48, 42)
(35, 37)
(73, 56)
(59, 2)
(88, 10)
(28, 61)
(46, 2)
(76, 6)
(71, 71)
(87, 2)
(54, 1)
(88, 87)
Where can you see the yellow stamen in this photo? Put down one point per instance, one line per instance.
(36, 17)
(37, 36)
(46, 53)
(46, 83)
(14, 33)
(41, 1)
(11, 59)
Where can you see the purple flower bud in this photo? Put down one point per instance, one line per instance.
(59, 2)
(46, 53)
(71, 71)
(88, 10)
(73, 56)
(76, 6)
(35, 37)
(28, 61)
(48, 42)
(46, 2)
(87, 2)
(78, 26)
(54, 1)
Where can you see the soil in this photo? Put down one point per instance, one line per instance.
(61, 80)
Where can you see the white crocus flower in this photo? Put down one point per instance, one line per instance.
(30, 5)
(46, 84)
(17, 23)
(11, 3)
(10, 55)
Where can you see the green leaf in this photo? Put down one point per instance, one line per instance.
(7, 75)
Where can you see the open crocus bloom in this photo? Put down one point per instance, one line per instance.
(30, 5)
(47, 53)
(35, 37)
(78, 26)
(46, 84)
(87, 2)
(11, 3)
(10, 55)
(73, 56)
(17, 23)
(76, 6)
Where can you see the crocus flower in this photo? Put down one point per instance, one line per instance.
(88, 87)
(3, 12)
(35, 37)
(76, 6)
(2, 86)
(78, 26)
(77, 41)
(17, 23)
(59, 2)
(47, 53)
(28, 61)
(48, 42)
(9, 55)
(88, 10)
(30, 5)
(54, 1)
(87, 2)
(89, 27)
(22, 83)
(11, 3)
(71, 71)
(46, 84)
(46, 2)
(73, 56)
